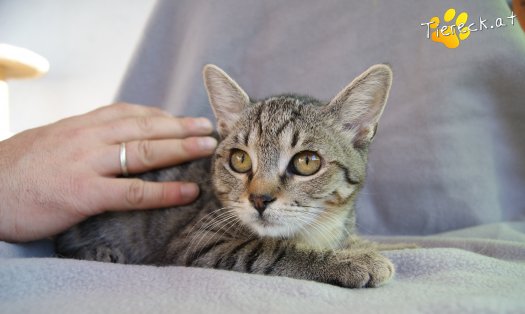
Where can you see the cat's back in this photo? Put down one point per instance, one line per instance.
(140, 236)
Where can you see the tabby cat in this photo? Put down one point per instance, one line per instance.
(277, 198)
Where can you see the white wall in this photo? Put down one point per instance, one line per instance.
(89, 45)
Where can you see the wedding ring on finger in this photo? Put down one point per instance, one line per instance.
(123, 160)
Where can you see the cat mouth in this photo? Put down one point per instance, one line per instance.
(266, 225)
(263, 221)
(271, 228)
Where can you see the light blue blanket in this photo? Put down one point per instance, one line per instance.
(478, 270)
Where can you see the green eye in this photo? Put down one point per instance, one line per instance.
(306, 163)
(240, 161)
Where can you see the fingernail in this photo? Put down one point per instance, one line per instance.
(207, 143)
(189, 191)
(203, 124)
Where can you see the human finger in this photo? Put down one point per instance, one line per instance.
(126, 194)
(146, 155)
(157, 127)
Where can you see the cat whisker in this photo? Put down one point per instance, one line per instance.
(331, 238)
(288, 233)
(322, 230)
(200, 233)
(216, 221)
(318, 228)
(337, 220)
(319, 211)
(228, 223)
(204, 217)
(196, 244)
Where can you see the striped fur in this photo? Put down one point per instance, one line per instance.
(306, 232)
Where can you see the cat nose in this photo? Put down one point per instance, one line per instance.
(260, 202)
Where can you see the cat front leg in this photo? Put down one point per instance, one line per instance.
(346, 268)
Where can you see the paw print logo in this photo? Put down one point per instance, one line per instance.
(450, 35)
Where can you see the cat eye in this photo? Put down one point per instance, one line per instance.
(240, 161)
(306, 163)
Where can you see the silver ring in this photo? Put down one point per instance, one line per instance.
(123, 160)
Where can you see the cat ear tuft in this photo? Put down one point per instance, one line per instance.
(226, 97)
(358, 107)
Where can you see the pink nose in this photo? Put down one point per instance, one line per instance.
(260, 202)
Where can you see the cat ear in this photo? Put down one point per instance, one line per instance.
(358, 107)
(226, 97)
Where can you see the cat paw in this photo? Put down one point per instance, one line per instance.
(103, 254)
(361, 269)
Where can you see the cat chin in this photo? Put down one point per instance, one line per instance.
(273, 231)
(265, 228)
(271, 225)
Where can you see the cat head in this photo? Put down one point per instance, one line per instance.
(289, 165)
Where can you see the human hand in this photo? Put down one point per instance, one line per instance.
(55, 176)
